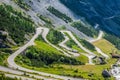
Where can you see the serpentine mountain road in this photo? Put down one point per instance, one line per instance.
(100, 36)
(90, 54)
(69, 50)
(44, 35)
(77, 42)
(62, 44)
(11, 58)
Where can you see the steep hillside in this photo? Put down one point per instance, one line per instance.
(15, 27)
(106, 13)
(64, 45)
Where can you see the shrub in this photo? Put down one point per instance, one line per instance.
(59, 14)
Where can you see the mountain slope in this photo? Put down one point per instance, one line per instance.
(106, 13)
(15, 27)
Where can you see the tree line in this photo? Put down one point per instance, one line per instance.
(59, 14)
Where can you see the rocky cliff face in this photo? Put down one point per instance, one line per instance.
(106, 13)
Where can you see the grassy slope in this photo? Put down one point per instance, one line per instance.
(46, 47)
(84, 70)
(70, 70)
(47, 50)
(77, 48)
(82, 58)
(105, 46)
